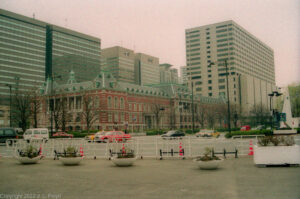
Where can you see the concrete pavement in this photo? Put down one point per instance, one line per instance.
(237, 178)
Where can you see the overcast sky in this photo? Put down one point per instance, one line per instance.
(157, 27)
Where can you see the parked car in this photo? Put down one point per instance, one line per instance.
(112, 136)
(8, 133)
(259, 127)
(173, 134)
(246, 128)
(98, 135)
(90, 137)
(36, 134)
(207, 133)
(63, 134)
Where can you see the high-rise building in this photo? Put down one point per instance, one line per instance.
(120, 62)
(250, 64)
(70, 50)
(183, 75)
(146, 69)
(32, 50)
(168, 74)
(22, 53)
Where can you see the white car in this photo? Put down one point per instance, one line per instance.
(36, 134)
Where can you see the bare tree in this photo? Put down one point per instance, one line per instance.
(259, 114)
(201, 114)
(21, 108)
(64, 118)
(57, 113)
(157, 109)
(211, 115)
(35, 108)
(89, 114)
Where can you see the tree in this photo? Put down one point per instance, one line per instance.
(35, 108)
(157, 109)
(57, 113)
(294, 92)
(201, 114)
(89, 114)
(259, 115)
(211, 115)
(21, 108)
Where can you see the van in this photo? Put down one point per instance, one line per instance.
(36, 134)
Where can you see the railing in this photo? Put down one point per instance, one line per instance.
(144, 147)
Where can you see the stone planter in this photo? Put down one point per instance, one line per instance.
(123, 162)
(70, 160)
(277, 155)
(285, 132)
(27, 160)
(208, 165)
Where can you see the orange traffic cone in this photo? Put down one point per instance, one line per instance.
(81, 151)
(123, 149)
(180, 149)
(40, 150)
(250, 148)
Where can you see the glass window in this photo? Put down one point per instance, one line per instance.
(36, 132)
(1, 132)
(116, 103)
(121, 103)
(9, 132)
(109, 117)
(109, 104)
(222, 87)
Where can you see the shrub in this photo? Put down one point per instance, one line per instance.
(289, 140)
(226, 129)
(155, 132)
(252, 132)
(264, 141)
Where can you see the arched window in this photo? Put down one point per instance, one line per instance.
(116, 102)
(121, 103)
(109, 103)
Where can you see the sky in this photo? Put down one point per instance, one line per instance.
(157, 27)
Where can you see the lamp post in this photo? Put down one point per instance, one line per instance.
(193, 114)
(9, 85)
(228, 101)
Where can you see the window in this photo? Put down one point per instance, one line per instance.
(109, 104)
(116, 102)
(222, 87)
(221, 80)
(207, 37)
(122, 117)
(222, 94)
(96, 102)
(116, 117)
(198, 89)
(121, 103)
(209, 81)
(209, 94)
(2, 113)
(109, 117)
(130, 106)
(209, 75)
(210, 88)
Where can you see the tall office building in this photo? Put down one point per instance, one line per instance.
(68, 50)
(32, 50)
(22, 53)
(146, 69)
(250, 64)
(120, 62)
(183, 75)
(168, 74)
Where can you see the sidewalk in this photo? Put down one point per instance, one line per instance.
(167, 179)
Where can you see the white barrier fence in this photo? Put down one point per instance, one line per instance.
(144, 147)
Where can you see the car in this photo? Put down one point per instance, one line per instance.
(112, 136)
(207, 133)
(259, 127)
(36, 134)
(90, 137)
(63, 134)
(173, 134)
(7, 134)
(246, 128)
(98, 135)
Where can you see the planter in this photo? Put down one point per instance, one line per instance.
(27, 160)
(123, 162)
(70, 160)
(208, 165)
(276, 155)
(285, 132)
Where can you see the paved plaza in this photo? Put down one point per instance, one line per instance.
(149, 178)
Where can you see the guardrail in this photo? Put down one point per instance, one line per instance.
(144, 147)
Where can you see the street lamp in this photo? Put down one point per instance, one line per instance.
(271, 95)
(228, 101)
(9, 85)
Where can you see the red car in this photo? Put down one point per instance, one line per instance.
(62, 134)
(114, 136)
(246, 128)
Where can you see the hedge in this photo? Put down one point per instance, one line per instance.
(251, 132)
(226, 129)
(155, 132)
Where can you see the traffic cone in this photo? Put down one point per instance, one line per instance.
(250, 148)
(123, 149)
(180, 149)
(81, 151)
(40, 150)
